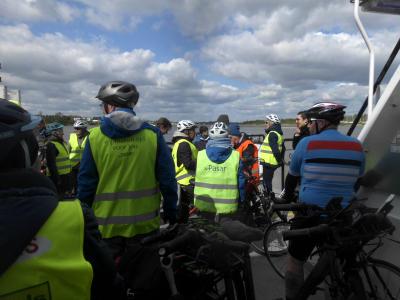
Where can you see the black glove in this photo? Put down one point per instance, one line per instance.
(285, 197)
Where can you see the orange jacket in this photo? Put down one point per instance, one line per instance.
(254, 167)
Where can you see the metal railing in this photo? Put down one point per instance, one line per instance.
(377, 83)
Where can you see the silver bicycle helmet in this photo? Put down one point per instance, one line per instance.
(118, 93)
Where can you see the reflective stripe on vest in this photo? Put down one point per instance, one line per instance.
(127, 199)
(76, 152)
(122, 195)
(216, 188)
(254, 168)
(52, 265)
(63, 162)
(182, 175)
(266, 154)
(127, 219)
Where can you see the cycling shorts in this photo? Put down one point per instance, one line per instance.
(301, 249)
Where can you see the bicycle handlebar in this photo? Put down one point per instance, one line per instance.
(312, 232)
(366, 227)
(163, 235)
(194, 239)
(296, 207)
(190, 237)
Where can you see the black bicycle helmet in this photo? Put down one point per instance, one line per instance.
(118, 93)
(16, 126)
(330, 111)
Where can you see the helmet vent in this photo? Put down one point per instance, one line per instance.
(114, 85)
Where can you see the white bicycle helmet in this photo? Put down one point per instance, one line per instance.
(219, 130)
(80, 124)
(185, 125)
(273, 118)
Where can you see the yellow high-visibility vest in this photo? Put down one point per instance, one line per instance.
(266, 155)
(127, 200)
(63, 162)
(76, 152)
(216, 188)
(52, 265)
(182, 175)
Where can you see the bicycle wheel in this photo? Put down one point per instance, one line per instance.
(258, 247)
(381, 280)
(262, 223)
(275, 248)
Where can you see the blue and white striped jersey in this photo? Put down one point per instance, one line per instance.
(329, 164)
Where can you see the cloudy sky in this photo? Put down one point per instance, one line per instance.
(190, 59)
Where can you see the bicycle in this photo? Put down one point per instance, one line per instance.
(346, 268)
(200, 262)
(273, 237)
(260, 212)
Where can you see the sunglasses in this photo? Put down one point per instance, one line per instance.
(312, 120)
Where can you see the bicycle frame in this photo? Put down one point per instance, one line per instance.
(341, 268)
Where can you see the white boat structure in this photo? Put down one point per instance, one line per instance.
(8, 94)
(380, 135)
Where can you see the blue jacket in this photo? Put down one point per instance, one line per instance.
(124, 123)
(329, 165)
(219, 155)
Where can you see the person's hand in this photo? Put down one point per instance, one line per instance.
(370, 178)
(285, 197)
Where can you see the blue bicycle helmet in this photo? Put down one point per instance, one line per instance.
(50, 128)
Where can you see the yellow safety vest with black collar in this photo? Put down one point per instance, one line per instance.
(76, 152)
(127, 200)
(63, 163)
(216, 188)
(52, 265)
(182, 175)
(266, 155)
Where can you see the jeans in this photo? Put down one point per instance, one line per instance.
(268, 175)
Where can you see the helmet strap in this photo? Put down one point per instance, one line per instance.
(26, 153)
(241, 138)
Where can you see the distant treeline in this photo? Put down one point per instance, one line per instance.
(291, 121)
(64, 119)
(69, 120)
(261, 122)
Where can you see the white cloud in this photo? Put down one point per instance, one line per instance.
(307, 59)
(288, 55)
(56, 73)
(43, 10)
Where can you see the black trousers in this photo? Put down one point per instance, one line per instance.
(186, 200)
(74, 179)
(119, 245)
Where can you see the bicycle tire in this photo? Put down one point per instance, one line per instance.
(258, 246)
(275, 249)
(278, 259)
(381, 279)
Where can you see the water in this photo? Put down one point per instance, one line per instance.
(288, 131)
